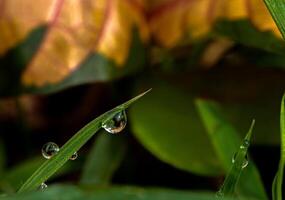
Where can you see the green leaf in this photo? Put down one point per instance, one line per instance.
(104, 158)
(168, 125)
(226, 141)
(15, 61)
(276, 8)
(278, 180)
(49, 167)
(243, 32)
(114, 193)
(14, 177)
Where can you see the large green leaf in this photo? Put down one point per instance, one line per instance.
(104, 158)
(115, 193)
(49, 167)
(167, 124)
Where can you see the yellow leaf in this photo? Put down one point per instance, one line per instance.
(171, 20)
(76, 28)
(79, 28)
(261, 18)
(18, 18)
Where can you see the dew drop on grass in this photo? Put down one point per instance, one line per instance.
(74, 156)
(117, 123)
(245, 144)
(49, 149)
(43, 186)
(245, 161)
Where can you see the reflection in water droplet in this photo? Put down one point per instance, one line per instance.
(74, 156)
(49, 149)
(43, 186)
(117, 123)
(245, 161)
(245, 144)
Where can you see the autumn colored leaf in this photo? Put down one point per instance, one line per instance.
(77, 28)
(180, 18)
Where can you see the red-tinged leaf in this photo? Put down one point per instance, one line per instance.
(75, 29)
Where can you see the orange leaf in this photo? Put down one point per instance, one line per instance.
(75, 28)
(171, 20)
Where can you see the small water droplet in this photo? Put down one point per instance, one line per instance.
(74, 156)
(117, 123)
(49, 149)
(245, 144)
(245, 162)
(43, 186)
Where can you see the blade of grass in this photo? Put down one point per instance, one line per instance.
(104, 158)
(278, 180)
(49, 167)
(226, 141)
(276, 9)
(240, 160)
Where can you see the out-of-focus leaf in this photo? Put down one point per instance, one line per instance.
(276, 8)
(74, 30)
(15, 176)
(180, 18)
(278, 180)
(98, 68)
(49, 167)
(114, 193)
(15, 61)
(244, 33)
(2, 157)
(173, 131)
(226, 141)
(104, 158)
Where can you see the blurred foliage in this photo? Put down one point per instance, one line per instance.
(213, 67)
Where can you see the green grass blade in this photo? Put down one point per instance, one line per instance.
(278, 180)
(230, 183)
(226, 141)
(49, 167)
(276, 8)
(104, 158)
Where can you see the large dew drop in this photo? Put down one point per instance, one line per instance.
(245, 162)
(116, 124)
(50, 149)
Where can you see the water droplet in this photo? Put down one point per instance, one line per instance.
(116, 124)
(49, 149)
(245, 144)
(74, 156)
(245, 161)
(43, 186)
